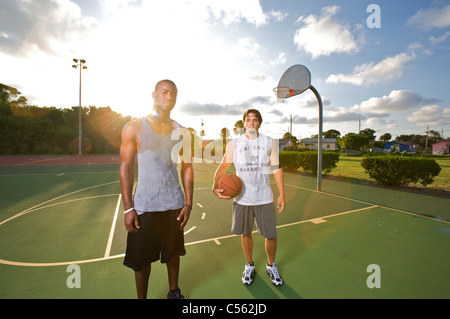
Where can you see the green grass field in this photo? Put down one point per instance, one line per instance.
(56, 215)
(350, 167)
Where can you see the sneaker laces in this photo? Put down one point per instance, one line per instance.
(248, 270)
(274, 271)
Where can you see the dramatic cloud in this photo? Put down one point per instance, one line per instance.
(296, 119)
(442, 38)
(212, 109)
(337, 115)
(323, 35)
(232, 11)
(431, 18)
(432, 115)
(257, 77)
(112, 6)
(281, 59)
(28, 26)
(130, 46)
(387, 69)
(309, 100)
(397, 100)
(344, 116)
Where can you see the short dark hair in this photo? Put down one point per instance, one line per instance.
(254, 111)
(169, 81)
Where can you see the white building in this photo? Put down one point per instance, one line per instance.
(328, 144)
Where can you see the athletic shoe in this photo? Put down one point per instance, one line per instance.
(175, 294)
(272, 271)
(249, 274)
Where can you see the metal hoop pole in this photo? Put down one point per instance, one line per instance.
(319, 144)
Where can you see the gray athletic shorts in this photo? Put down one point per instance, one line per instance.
(244, 216)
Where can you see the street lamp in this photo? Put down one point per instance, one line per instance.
(80, 63)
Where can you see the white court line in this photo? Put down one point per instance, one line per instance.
(318, 221)
(191, 229)
(63, 263)
(113, 228)
(314, 220)
(44, 160)
(26, 211)
(38, 207)
(199, 205)
(216, 239)
(330, 194)
(203, 215)
(369, 203)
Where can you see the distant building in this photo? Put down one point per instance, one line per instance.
(328, 144)
(283, 143)
(441, 148)
(400, 146)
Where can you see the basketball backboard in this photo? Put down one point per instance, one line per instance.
(294, 81)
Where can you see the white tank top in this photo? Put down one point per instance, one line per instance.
(251, 160)
(158, 188)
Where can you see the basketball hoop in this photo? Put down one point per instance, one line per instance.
(282, 92)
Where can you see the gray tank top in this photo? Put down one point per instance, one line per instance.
(158, 187)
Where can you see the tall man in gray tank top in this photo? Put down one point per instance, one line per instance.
(157, 214)
(255, 156)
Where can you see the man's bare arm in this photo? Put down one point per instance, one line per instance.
(128, 151)
(187, 178)
(278, 175)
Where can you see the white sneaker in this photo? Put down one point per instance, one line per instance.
(249, 274)
(272, 271)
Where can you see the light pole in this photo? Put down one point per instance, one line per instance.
(80, 63)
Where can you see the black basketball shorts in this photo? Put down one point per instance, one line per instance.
(159, 237)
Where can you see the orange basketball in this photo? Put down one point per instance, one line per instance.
(231, 185)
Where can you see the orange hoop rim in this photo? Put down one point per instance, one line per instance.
(282, 92)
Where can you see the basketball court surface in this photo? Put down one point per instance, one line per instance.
(61, 213)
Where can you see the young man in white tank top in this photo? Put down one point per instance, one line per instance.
(255, 156)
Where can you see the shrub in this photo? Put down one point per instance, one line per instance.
(400, 170)
(308, 161)
(289, 160)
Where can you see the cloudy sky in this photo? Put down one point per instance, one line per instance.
(386, 66)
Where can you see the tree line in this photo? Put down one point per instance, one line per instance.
(28, 129)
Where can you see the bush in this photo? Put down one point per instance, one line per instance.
(308, 161)
(289, 160)
(400, 170)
